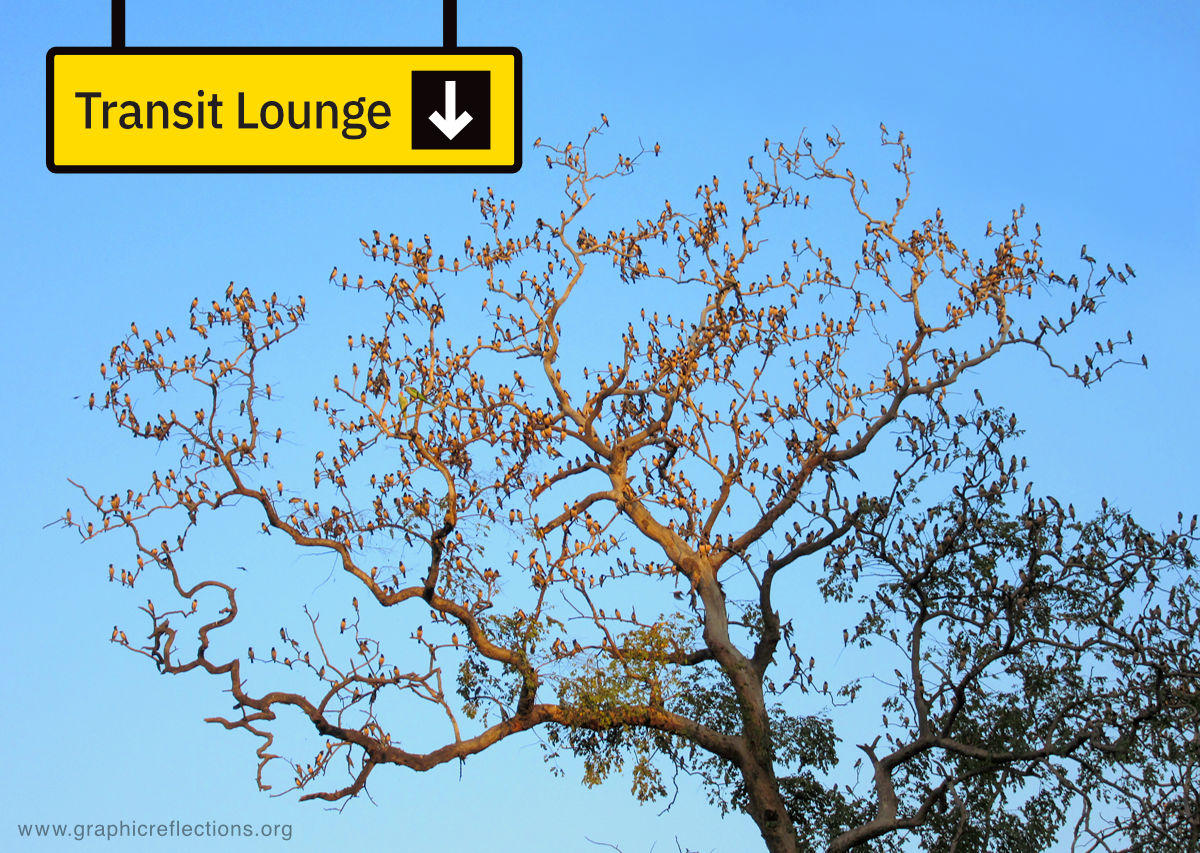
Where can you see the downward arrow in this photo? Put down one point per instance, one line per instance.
(450, 124)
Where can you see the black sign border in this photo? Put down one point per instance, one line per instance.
(268, 51)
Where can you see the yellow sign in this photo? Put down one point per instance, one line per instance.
(286, 109)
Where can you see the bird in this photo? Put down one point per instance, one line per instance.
(274, 654)
(250, 653)
(343, 625)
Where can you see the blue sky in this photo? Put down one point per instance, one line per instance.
(1085, 113)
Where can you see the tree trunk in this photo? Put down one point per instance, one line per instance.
(767, 806)
(757, 754)
(758, 764)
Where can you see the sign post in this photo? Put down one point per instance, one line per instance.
(283, 109)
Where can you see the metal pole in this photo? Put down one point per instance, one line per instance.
(118, 23)
(449, 23)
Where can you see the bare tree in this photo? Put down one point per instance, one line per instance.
(1034, 673)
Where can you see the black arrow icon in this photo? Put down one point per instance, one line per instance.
(451, 109)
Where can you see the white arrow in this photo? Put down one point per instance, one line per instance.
(450, 124)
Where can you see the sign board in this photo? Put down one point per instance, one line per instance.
(283, 109)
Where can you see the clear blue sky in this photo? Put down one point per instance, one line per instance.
(1085, 112)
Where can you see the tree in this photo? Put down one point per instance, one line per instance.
(1033, 672)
